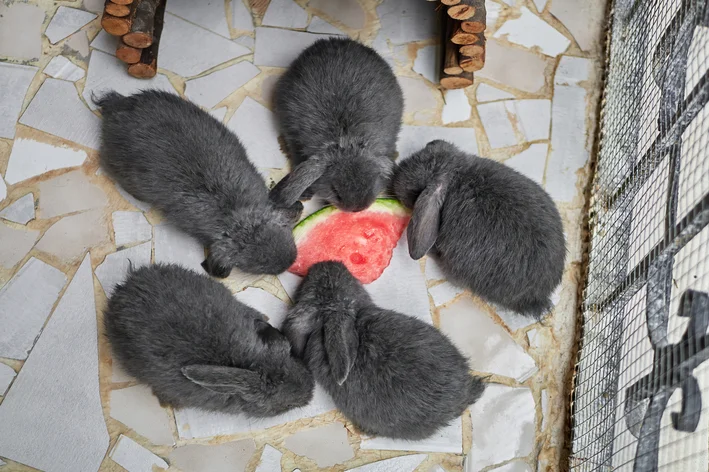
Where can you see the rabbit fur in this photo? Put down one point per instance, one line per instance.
(390, 374)
(339, 108)
(188, 338)
(167, 152)
(492, 229)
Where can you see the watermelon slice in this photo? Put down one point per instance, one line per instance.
(363, 241)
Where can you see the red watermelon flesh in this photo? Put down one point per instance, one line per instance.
(363, 241)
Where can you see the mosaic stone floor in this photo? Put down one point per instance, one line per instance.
(67, 232)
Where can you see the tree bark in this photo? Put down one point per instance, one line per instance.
(478, 22)
(462, 11)
(147, 67)
(128, 54)
(457, 81)
(141, 30)
(116, 9)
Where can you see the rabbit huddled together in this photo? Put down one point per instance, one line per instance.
(339, 107)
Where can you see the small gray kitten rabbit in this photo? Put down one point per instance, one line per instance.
(187, 337)
(390, 374)
(339, 107)
(492, 229)
(168, 152)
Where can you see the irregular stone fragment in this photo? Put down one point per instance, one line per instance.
(347, 12)
(497, 124)
(78, 45)
(22, 211)
(433, 270)
(530, 162)
(32, 293)
(3, 190)
(114, 268)
(447, 439)
(457, 107)
(137, 408)
(530, 31)
(132, 200)
(533, 117)
(270, 460)
(211, 89)
(277, 47)
(488, 93)
(7, 374)
(66, 21)
(417, 95)
(572, 70)
(403, 21)
(256, 128)
(514, 320)
(262, 301)
(227, 457)
(135, 458)
(285, 14)
(62, 68)
(444, 293)
(210, 14)
(583, 19)
(240, 16)
(105, 42)
(290, 283)
(59, 386)
(71, 236)
(318, 25)
(16, 243)
(131, 227)
(219, 113)
(31, 158)
(497, 67)
(414, 138)
(20, 32)
(425, 63)
(95, 6)
(69, 193)
(174, 246)
(16, 80)
(326, 445)
(56, 109)
(398, 464)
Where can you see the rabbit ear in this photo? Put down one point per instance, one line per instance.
(341, 344)
(221, 379)
(425, 220)
(290, 214)
(291, 187)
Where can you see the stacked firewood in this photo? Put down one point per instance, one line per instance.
(139, 25)
(463, 41)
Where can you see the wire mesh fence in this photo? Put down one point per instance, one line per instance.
(641, 393)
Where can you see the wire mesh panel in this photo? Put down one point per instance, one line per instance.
(641, 393)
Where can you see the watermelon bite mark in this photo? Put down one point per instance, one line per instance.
(363, 241)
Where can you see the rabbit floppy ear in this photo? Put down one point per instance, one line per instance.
(425, 220)
(221, 379)
(341, 344)
(291, 187)
(289, 214)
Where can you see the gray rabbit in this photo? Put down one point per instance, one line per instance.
(390, 374)
(187, 337)
(168, 152)
(491, 229)
(339, 107)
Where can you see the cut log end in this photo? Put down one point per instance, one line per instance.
(138, 40)
(461, 37)
(144, 71)
(116, 9)
(114, 25)
(122, 2)
(127, 54)
(450, 2)
(472, 26)
(457, 81)
(472, 64)
(461, 12)
(472, 50)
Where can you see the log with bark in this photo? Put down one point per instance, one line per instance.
(141, 29)
(128, 54)
(117, 25)
(450, 54)
(147, 67)
(478, 22)
(461, 37)
(457, 81)
(116, 9)
(464, 10)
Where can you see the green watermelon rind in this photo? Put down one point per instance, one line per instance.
(383, 205)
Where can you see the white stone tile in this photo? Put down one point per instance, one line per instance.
(7, 374)
(447, 439)
(240, 16)
(16, 243)
(260, 300)
(530, 162)
(107, 73)
(540, 4)
(326, 445)
(533, 117)
(209, 14)
(290, 283)
(95, 6)
(533, 337)
(174, 246)
(135, 458)
(545, 406)
(270, 460)
(278, 47)
(414, 138)
(514, 320)
(348, 12)
(569, 149)
(417, 95)
(195, 423)
(130, 227)
(255, 126)
(32, 292)
(487, 345)
(572, 70)
(426, 63)
(497, 67)
(227, 457)
(77, 44)
(444, 293)
(403, 21)
(56, 109)
(3, 190)
(71, 236)
(246, 41)
(30, 158)
(211, 89)
(436, 468)
(20, 32)
(488, 93)
(516, 466)
(59, 386)
(530, 31)
(457, 107)
(105, 42)
(188, 50)
(583, 19)
(504, 421)
(493, 10)
(69, 193)
(497, 124)
(62, 68)
(402, 285)
(16, 80)
(219, 113)
(131, 199)
(397, 464)
(285, 14)
(433, 270)
(137, 408)
(66, 21)
(318, 25)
